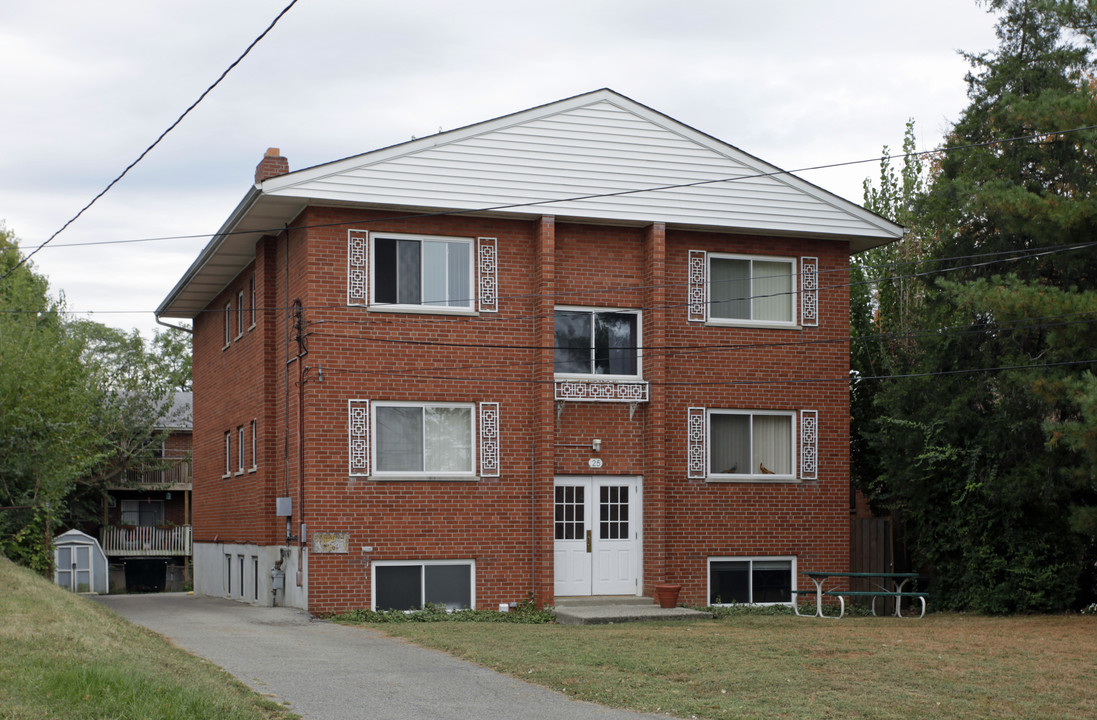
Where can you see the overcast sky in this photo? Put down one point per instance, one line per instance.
(86, 86)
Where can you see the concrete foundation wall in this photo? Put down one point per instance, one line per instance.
(242, 572)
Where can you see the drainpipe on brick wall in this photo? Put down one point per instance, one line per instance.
(302, 351)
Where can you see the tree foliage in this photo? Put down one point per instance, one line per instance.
(992, 471)
(46, 435)
(80, 404)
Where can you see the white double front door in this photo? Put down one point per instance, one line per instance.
(598, 523)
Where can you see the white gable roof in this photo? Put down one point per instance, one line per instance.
(598, 157)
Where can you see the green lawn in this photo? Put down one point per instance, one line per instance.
(774, 666)
(64, 657)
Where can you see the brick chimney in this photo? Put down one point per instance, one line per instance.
(272, 165)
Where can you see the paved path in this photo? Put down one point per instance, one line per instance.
(326, 671)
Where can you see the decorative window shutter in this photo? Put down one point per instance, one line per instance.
(357, 267)
(809, 291)
(489, 439)
(487, 267)
(358, 446)
(698, 286)
(809, 444)
(695, 440)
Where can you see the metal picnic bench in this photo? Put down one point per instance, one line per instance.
(897, 580)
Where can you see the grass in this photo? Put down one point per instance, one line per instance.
(774, 666)
(64, 657)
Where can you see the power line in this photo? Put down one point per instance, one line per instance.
(731, 383)
(575, 198)
(155, 142)
(1001, 257)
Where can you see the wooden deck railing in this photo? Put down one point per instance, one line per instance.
(146, 540)
(177, 473)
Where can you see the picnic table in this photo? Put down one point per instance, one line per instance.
(888, 584)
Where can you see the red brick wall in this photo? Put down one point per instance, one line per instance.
(505, 523)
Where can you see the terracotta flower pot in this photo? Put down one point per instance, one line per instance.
(666, 594)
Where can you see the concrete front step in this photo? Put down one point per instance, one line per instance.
(596, 600)
(603, 610)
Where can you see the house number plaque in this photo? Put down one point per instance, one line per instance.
(330, 542)
(595, 462)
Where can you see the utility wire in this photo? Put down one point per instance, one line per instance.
(591, 196)
(996, 257)
(154, 144)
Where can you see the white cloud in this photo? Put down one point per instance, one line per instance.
(87, 86)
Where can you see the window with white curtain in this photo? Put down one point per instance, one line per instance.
(746, 445)
(423, 439)
(751, 290)
(422, 272)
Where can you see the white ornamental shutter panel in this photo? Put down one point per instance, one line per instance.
(489, 439)
(695, 443)
(697, 302)
(357, 267)
(809, 291)
(809, 444)
(358, 439)
(487, 274)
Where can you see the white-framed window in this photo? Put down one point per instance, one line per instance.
(600, 342)
(240, 575)
(239, 314)
(413, 584)
(751, 580)
(422, 272)
(751, 290)
(240, 449)
(228, 454)
(228, 574)
(423, 439)
(251, 291)
(751, 445)
(254, 447)
(254, 577)
(228, 325)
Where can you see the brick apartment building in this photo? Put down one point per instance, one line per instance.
(562, 352)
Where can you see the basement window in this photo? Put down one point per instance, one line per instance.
(412, 585)
(757, 581)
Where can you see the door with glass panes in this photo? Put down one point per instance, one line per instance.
(597, 526)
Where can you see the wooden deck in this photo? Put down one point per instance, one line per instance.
(146, 541)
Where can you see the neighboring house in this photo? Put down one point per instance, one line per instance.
(146, 528)
(578, 350)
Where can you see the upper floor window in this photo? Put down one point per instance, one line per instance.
(416, 271)
(753, 290)
(750, 445)
(228, 325)
(597, 342)
(239, 314)
(423, 439)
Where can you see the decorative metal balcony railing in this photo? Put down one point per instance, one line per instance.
(146, 540)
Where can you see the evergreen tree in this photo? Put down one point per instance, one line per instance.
(993, 471)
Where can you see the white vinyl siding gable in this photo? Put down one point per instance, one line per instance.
(601, 156)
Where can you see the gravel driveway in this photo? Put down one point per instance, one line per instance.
(326, 671)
